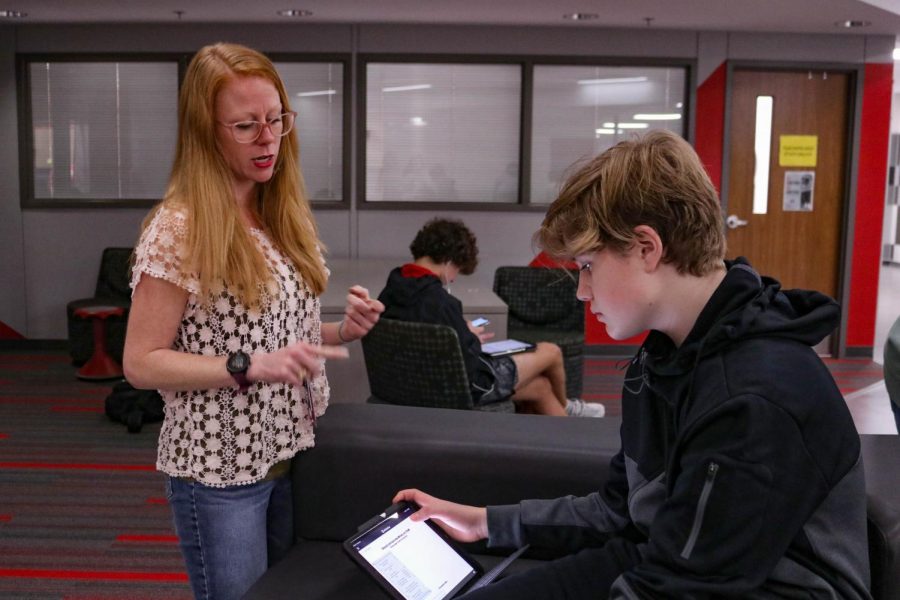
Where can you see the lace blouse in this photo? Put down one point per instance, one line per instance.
(224, 437)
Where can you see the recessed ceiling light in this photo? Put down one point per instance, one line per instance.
(608, 80)
(625, 125)
(657, 116)
(317, 93)
(581, 16)
(12, 14)
(852, 24)
(407, 88)
(294, 12)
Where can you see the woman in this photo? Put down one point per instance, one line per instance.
(225, 320)
(536, 380)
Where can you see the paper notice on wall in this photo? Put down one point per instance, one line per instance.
(797, 150)
(798, 191)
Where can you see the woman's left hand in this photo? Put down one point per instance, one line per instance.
(360, 315)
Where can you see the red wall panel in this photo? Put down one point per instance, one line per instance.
(870, 189)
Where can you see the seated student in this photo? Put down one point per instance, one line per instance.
(739, 473)
(536, 380)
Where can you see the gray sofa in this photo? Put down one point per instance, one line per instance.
(366, 452)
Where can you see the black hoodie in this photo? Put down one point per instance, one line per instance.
(413, 293)
(739, 473)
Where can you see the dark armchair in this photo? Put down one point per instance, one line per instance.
(419, 364)
(112, 290)
(543, 308)
(892, 369)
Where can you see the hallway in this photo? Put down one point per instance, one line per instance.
(870, 406)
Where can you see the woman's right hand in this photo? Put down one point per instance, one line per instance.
(292, 364)
(461, 522)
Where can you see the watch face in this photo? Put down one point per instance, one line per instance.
(238, 362)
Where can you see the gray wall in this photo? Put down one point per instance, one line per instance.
(50, 256)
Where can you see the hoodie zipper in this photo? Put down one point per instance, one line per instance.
(711, 471)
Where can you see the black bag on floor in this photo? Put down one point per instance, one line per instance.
(134, 407)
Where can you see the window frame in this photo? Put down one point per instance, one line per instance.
(24, 61)
(27, 199)
(346, 62)
(690, 73)
(353, 153)
(527, 64)
(444, 59)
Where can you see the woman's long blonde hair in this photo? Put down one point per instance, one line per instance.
(219, 248)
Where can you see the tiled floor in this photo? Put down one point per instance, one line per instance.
(870, 406)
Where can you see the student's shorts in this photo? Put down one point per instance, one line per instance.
(506, 376)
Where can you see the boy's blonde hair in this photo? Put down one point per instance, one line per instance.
(655, 180)
(219, 248)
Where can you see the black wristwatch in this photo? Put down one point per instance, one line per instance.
(237, 364)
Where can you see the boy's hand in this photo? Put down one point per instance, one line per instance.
(479, 332)
(461, 522)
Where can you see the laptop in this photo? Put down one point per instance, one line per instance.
(416, 560)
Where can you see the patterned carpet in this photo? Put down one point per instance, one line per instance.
(82, 512)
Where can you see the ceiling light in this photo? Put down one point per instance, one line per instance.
(294, 12)
(626, 125)
(611, 80)
(657, 116)
(604, 131)
(852, 24)
(318, 93)
(407, 88)
(418, 121)
(12, 14)
(581, 16)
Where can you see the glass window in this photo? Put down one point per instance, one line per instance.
(580, 111)
(316, 92)
(102, 130)
(442, 132)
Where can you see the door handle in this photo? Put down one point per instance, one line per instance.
(733, 222)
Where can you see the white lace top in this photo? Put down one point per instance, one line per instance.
(224, 437)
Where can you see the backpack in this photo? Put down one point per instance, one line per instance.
(134, 407)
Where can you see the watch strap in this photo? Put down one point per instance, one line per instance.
(241, 379)
(237, 365)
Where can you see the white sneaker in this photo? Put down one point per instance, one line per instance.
(576, 407)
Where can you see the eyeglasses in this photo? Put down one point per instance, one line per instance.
(247, 132)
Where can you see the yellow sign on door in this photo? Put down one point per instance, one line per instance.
(797, 150)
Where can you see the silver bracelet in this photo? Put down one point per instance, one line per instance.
(341, 337)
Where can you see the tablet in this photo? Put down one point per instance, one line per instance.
(504, 347)
(411, 560)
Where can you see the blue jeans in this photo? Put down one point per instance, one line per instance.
(230, 536)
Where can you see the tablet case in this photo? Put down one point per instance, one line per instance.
(477, 580)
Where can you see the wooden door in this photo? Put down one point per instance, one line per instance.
(800, 248)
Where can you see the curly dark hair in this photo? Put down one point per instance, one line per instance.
(444, 240)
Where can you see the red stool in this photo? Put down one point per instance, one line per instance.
(100, 365)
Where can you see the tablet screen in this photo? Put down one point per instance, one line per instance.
(502, 347)
(412, 557)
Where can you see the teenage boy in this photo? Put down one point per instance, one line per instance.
(739, 473)
(536, 381)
